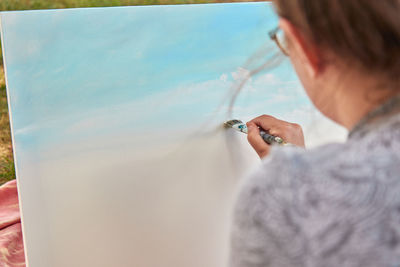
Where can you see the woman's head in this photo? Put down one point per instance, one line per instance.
(327, 38)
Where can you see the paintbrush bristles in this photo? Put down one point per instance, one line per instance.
(229, 124)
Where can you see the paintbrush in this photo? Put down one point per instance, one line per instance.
(241, 127)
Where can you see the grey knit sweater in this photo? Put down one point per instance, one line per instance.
(336, 205)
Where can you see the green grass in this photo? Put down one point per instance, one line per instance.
(7, 171)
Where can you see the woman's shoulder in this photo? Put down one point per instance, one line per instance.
(339, 169)
(327, 200)
(350, 161)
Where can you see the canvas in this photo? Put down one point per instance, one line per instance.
(117, 115)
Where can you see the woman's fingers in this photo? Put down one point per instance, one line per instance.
(256, 141)
(267, 122)
(289, 132)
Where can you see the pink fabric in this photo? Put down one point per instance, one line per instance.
(11, 244)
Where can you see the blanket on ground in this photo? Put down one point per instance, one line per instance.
(11, 244)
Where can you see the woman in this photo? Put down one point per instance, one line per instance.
(339, 204)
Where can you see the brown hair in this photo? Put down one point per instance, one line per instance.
(365, 32)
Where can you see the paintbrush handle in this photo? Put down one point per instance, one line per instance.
(271, 139)
(268, 138)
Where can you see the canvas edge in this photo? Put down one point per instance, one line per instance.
(3, 45)
(139, 6)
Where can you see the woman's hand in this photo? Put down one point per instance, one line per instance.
(289, 132)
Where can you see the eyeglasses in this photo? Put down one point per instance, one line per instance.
(279, 38)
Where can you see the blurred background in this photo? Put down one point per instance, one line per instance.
(7, 171)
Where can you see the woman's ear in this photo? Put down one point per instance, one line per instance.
(302, 48)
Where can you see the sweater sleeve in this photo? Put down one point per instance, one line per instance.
(265, 231)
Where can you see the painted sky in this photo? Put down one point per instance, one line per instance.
(77, 73)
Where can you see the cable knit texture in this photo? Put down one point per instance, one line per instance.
(336, 205)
